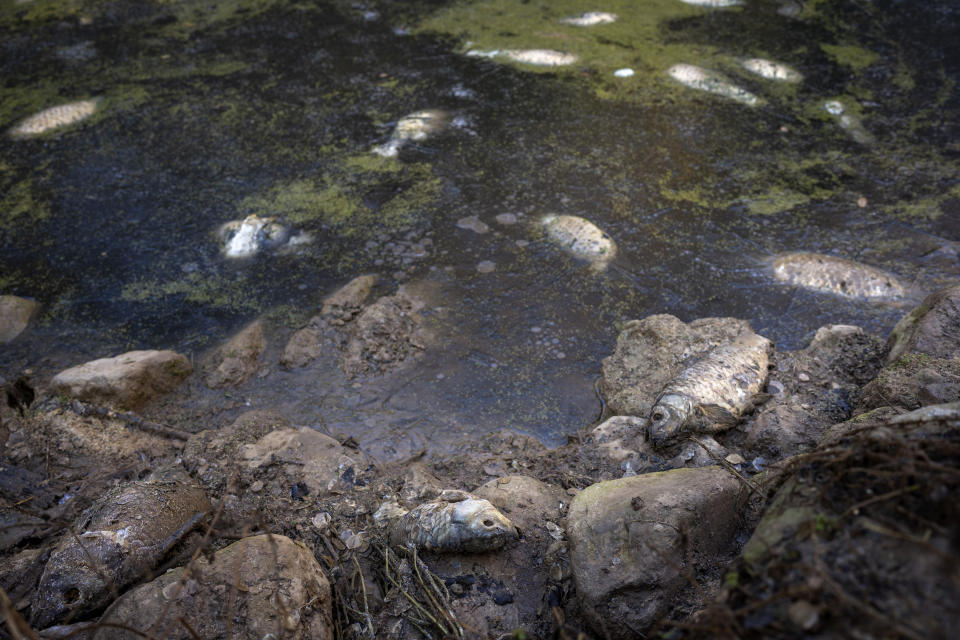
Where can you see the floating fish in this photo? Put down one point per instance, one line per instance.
(455, 522)
(119, 539)
(839, 276)
(540, 57)
(712, 82)
(247, 237)
(54, 117)
(848, 122)
(413, 127)
(590, 18)
(712, 393)
(581, 239)
(772, 70)
(713, 4)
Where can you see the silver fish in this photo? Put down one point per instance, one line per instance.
(119, 539)
(839, 276)
(714, 392)
(55, 117)
(413, 127)
(771, 70)
(712, 82)
(455, 522)
(581, 239)
(590, 19)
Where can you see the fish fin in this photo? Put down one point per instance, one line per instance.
(760, 398)
(717, 415)
(453, 495)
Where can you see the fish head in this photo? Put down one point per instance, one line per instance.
(480, 526)
(667, 417)
(69, 587)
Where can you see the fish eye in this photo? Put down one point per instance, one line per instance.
(488, 523)
(658, 416)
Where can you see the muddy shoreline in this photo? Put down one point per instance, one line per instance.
(844, 400)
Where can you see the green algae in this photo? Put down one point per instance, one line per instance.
(346, 200)
(776, 200)
(215, 292)
(20, 203)
(857, 58)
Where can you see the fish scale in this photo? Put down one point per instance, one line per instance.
(712, 393)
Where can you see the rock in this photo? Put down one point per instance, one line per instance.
(620, 437)
(129, 381)
(303, 456)
(15, 315)
(785, 429)
(126, 533)
(347, 301)
(651, 352)
(211, 455)
(237, 359)
(628, 536)
(529, 503)
(21, 485)
(259, 587)
(911, 382)
(384, 335)
(304, 346)
(931, 329)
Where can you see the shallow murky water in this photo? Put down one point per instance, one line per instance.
(212, 111)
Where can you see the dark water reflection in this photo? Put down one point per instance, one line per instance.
(203, 117)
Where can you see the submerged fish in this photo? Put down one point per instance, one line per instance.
(247, 237)
(455, 521)
(712, 82)
(54, 117)
(772, 70)
(839, 276)
(119, 539)
(712, 393)
(713, 4)
(848, 122)
(540, 57)
(582, 239)
(590, 18)
(413, 127)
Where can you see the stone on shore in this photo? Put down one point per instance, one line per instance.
(629, 536)
(129, 381)
(347, 301)
(15, 315)
(237, 360)
(253, 589)
(911, 382)
(652, 351)
(931, 329)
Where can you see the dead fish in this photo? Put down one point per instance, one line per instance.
(590, 18)
(455, 522)
(712, 82)
(713, 4)
(839, 276)
(413, 127)
(714, 392)
(581, 239)
(54, 117)
(848, 122)
(247, 237)
(535, 57)
(771, 70)
(119, 539)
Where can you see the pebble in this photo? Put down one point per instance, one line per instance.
(506, 219)
(803, 377)
(623, 73)
(473, 223)
(321, 521)
(522, 243)
(735, 458)
(486, 266)
(775, 387)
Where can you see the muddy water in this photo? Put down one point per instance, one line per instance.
(212, 111)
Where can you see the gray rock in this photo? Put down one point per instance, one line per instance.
(911, 382)
(348, 300)
(620, 438)
(651, 352)
(384, 334)
(931, 329)
(528, 502)
(129, 381)
(259, 587)
(15, 315)
(237, 360)
(628, 536)
(304, 346)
